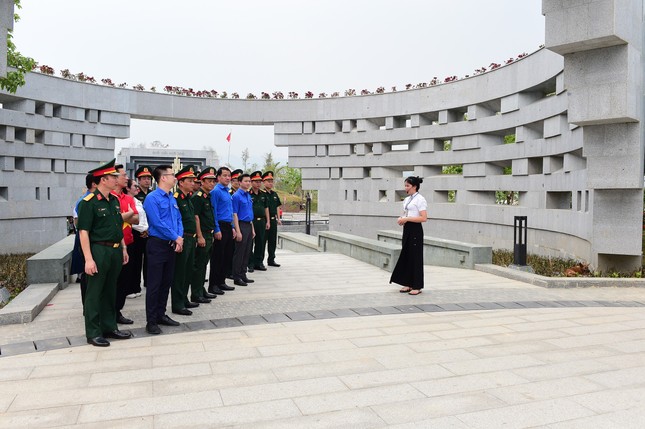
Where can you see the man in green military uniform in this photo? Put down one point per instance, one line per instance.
(205, 225)
(235, 181)
(144, 180)
(274, 217)
(185, 261)
(261, 222)
(101, 237)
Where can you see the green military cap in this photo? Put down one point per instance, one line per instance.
(187, 171)
(268, 175)
(105, 169)
(236, 174)
(207, 173)
(256, 175)
(143, 171)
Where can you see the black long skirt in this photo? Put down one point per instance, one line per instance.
(409, 268)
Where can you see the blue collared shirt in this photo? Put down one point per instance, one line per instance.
(164, 219)
(243, 205)
(222, 205)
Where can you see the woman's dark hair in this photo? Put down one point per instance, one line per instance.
(415, 181)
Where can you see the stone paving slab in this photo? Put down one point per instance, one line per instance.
(321, 298)
(306, 375)
(326, 341)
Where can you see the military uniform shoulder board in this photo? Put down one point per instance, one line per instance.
(176, 194)
(199, 194)
(262, 190)
(88, 197)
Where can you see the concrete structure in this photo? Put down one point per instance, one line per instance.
(6, 24)
(133, 157)
(575, 109)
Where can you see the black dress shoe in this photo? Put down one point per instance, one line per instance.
(98, 342)
(249, 269)
(209, 295)
(191, 305)
(124, 320)
(203, 300)
(248, 280)
(224, 286)
(153, 328)
(215, 291)
(240, 282)
(182, 312)
(118, 335)
(273, 264)
(165, 320)
(260, 268)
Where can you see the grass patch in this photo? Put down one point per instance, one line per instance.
(558, 267)
(13, 272)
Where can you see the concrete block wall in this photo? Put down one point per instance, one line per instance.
(550, 161)
(46, 150)
(6, 24)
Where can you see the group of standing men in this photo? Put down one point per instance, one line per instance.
(173, 236)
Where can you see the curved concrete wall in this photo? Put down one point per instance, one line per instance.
(574, 108)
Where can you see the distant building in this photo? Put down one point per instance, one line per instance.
(133, 157)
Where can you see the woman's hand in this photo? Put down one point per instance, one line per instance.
(401, 220)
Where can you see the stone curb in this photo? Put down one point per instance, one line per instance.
(232, 322)
(28, 304)
(558, 282)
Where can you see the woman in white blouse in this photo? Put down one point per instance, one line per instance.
(408, 271)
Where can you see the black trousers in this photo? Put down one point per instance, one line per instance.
(138, 260)
(125, 282)
(242, 251)
(222, 256)
(161, 270)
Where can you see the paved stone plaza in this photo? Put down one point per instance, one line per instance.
(367, 357)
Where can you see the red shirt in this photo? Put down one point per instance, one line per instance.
(126, 202)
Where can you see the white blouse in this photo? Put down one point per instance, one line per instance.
(143, 219)
(413, 205)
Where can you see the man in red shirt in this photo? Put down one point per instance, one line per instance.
(130, 215)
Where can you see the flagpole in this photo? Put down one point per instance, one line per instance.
(228, 158)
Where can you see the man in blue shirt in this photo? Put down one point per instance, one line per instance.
(166, 237)
(243, 221)
(224, 234)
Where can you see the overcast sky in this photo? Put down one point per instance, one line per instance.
(280, 45)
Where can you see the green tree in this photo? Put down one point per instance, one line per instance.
(245, 159)
(22, 65)
(271, 165)
(291, 180)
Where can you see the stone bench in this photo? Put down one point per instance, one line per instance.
(379, 253)
(52, 264)
(445, 253)
(298, 242)
(28, 304)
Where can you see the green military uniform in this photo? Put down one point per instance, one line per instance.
(185, 260)
(235, 175)
(204, 210)
(272, 234)
(260, 204)
(100, 216)
(142, 171)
